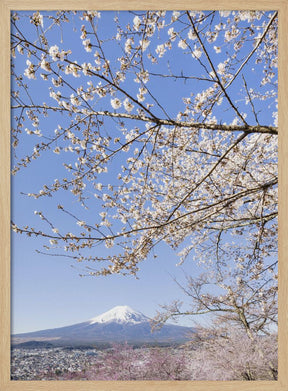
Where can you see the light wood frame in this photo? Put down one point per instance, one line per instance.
(5, 383)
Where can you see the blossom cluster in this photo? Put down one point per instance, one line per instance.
(164, 131)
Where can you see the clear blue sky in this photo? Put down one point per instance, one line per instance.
(48, 292)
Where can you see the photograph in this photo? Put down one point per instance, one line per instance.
(144, 197)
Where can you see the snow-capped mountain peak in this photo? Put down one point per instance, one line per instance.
(120, 314)
(120, 324)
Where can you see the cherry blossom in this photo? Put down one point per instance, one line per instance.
(167, 124)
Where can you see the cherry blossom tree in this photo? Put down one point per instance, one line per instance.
(242, 330)
(124, 362)
(200, 173)
(166, 123)
(224, 354)
(211, 355)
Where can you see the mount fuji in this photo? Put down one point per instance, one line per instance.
(120, 324)
(121, 315)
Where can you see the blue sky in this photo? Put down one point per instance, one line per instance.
(48, 292)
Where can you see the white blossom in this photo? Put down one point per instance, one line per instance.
(30, 71)
(175, 15)
(172, 34)
(75, 100)
(160, 50)
(142, 76)
(231, 33)
(217, 49)
(37, 19)
(224, 14)
(144, 44)
(128, 45)
(87, 45)
(45, 65)
(20, 49)
(81, 223)
(136, 22)
(192, 35)
(128, 105)
(197, 53)
(53, 52)
(221, 68)
(116, 103)
(182, 44)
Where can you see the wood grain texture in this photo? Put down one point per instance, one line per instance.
(5, 198)
(5, 384)
(283, 195)
(144, 5)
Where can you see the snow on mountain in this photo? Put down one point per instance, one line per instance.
(120, 324)
(122, 315)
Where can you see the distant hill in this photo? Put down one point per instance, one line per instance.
(120, 324)
(34, 345)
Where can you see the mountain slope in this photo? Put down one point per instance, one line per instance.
(120, 324)
(122, 315)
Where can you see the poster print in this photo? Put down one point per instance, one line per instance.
(156, 134)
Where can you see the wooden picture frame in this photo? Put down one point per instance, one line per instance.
(5, 383)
